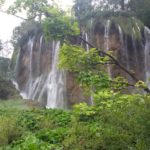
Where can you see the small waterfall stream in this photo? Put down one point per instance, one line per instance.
(147, 56)
(106, 43)
(124, 52)
(56, 82)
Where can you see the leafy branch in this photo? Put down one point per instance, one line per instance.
(116, 62)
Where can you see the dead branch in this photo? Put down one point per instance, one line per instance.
(116, 62)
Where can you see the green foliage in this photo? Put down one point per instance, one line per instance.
(21, 33)
(54, 136)
(115, 121)
(30, 142)
(59, 26)
(34, 8)
(89, 68)
(82, 9)
(75, 58)
(9, 130)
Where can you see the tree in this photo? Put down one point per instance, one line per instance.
(26, 27)
(82, 8)
(114, 5)
(33, 8)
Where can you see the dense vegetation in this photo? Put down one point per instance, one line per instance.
(7, 89)
(89, 8)
(115, 121)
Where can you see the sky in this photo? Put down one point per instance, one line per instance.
(9, 22)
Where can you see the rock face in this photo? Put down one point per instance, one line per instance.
(131, 48)
(38, 77)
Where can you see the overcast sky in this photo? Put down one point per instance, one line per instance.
(8, 22)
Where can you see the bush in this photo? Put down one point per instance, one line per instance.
(9, 130)
(115, 122)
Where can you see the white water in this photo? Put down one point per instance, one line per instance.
(50, 86)
(124, 51)
(135, 50)
(56, 82)
(147, 56)
(30, 81)
(106, 43)
(85, 36)
(87, 39)
(27, 92)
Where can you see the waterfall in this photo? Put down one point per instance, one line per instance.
(106, 43)
(14, 82)
(48, 87)
(56, 82)
(134, 46)
(124, 52)
(39, 56)
(147, 56)
(30, 81)
(26, 94)
(85, 36)
(39, 78)
(87, 39)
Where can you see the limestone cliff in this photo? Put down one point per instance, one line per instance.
(39, 78)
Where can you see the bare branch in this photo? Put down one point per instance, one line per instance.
(116, 63)
(13, 15)
(25, 19)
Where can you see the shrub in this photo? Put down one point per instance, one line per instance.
(9, 130)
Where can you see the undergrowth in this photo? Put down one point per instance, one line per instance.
(114, 122)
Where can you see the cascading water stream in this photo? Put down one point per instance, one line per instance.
(124, 52)
(16, 70)
(30, 81)
(147, 56)
(56, 82)
(135, 49)
(26, 94)
(106, 43)
(87, 39)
